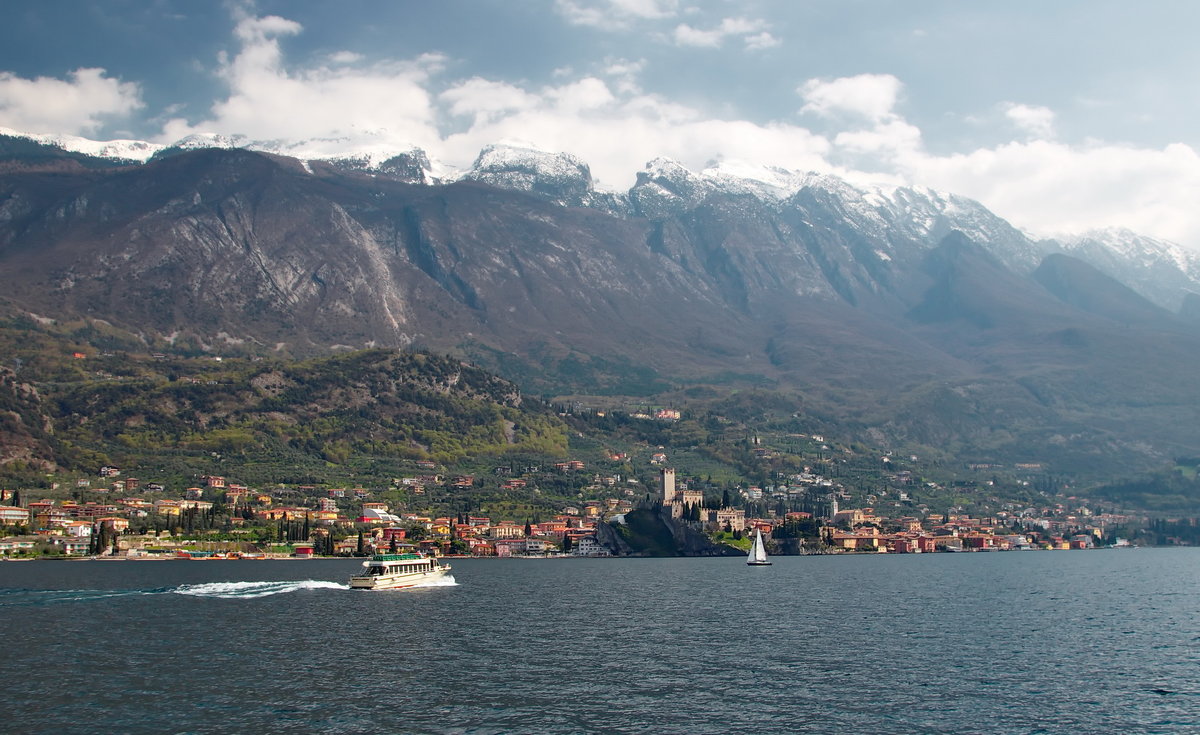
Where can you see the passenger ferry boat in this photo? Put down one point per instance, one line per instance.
(396, 571)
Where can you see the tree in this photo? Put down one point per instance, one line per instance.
(528, 529)
(362, 544)
(566, 544)
(392, 545)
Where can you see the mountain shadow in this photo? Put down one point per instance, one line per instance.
(1079, 284)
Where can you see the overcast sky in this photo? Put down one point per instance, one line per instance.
(1060, 116)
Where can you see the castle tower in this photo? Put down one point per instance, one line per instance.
(667, 480)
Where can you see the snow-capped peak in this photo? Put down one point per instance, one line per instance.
(1134, 247)
(522, 157)
(198, 141)
(365, 151)
(766, 182)
(118, 150)
(559, 177)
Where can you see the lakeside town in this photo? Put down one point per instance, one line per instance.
(218, 518)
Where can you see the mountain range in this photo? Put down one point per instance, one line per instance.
(909, 317)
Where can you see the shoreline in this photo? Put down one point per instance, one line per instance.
(155, 557)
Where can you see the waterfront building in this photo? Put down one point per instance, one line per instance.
(13, 516)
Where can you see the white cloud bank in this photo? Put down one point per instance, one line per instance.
(870, 96)
(350, 104)
(78, 105)
(1039, 184)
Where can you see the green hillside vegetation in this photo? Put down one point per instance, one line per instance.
(268, 421)
(643, 530)
(373, 407)
(1175, 490)
(75, 397)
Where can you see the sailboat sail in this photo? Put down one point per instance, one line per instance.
(758, 551)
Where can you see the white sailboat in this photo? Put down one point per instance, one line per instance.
(758, 551)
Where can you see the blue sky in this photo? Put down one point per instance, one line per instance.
(1060, 116)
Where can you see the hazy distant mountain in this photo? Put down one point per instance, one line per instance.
(912, 315)
(1079, 284)
(1161, 271)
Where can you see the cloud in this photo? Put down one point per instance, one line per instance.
(1038, 122)
(612, 15)
(625, 74)
(486, 100)
(582, 96)
(760, 41)
(618, 133)
(253, 30)
(874, 137)
(752, 32)
(345, 57)
(870, 96)
(1040, 185)
(78, 105)
(885, 142)
(1052, 188)
(267, 99)
(607, 120)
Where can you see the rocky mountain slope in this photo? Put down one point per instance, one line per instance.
(914, 316)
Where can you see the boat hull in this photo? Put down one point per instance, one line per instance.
(758, 563)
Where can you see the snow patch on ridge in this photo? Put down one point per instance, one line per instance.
(1133, 246)
(116, 150)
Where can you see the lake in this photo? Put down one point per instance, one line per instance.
(1018, 642)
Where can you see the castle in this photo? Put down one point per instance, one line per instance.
(677, 501)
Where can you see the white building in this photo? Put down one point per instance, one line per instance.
(588, 546)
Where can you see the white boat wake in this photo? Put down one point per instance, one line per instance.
(250, 590)
(218, 590)
(443, 581)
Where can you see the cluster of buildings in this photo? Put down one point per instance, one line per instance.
(363, 525)
(479, 536)
(860, 529)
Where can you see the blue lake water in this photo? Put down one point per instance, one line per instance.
(1020, 642)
